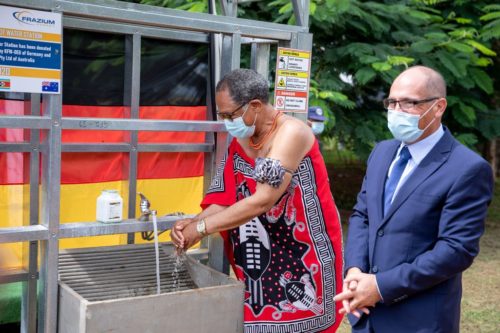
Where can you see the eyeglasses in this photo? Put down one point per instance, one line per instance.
(405, 104)
(229, 115)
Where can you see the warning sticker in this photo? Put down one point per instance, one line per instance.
(281, 83)
(295, 103)
(298, 64)
(280, 102)
(294, 83)
(291, 89)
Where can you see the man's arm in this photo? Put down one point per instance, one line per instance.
(356, 249)
(356, 252)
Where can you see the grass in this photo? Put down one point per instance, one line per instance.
(481, 282)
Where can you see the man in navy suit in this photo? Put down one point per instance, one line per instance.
(418, 217)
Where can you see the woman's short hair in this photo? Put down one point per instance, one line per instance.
(244, 85)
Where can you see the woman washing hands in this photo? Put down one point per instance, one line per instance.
(270, 200)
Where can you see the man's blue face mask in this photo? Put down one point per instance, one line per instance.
(404, 126)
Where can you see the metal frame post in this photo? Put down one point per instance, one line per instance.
(231, 53)
(132, 89)
(229, 7)
(51, 192)
(259, 60)
(230, 59)
(301, 12)
(30, 249)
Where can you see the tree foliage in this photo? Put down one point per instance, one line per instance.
(359, 47)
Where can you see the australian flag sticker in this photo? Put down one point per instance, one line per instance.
(50, 86)
(4, 84)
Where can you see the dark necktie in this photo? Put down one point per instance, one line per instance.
(393, 180)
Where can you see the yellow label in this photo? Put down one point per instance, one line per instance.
(293, 53)
(292, 73)
(33, 72)
(33, 35)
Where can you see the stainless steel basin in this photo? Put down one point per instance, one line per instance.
(113, 289)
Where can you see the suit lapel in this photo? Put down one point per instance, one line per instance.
(381, 170)
(436, 157)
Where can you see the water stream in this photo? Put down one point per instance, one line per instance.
(179, 260)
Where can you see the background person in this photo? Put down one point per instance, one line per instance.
(418, 218)
(316, 120)
(271, 201)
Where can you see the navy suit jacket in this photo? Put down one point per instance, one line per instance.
(428, 237)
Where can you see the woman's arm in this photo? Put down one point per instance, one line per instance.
(291, 143)
(176, 232)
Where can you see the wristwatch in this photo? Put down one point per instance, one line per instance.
(201, 227)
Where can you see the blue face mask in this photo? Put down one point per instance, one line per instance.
(238, 128)
(317, 127)
(404, 126)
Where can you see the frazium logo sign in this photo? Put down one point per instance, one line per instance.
(28, 18)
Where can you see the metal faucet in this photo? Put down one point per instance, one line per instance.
(144, 206)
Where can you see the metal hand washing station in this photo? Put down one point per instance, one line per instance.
(113, 289)
(80, 297)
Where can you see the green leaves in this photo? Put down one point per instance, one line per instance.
(365, 75)
(399, 60)
(312, 8)
(483, 62)
(381, 66)
(489, 123)
(419, 15)
(371, 42)
(492, 29)
(480, 47)
(437, 36)
(456, 66)
(337, 98)
(449, 39)
(422, 46)
(467, 139)
(288, 8)
(482, 80)
(460, 47)
(363, 132)
(490, 16)
(465, 115)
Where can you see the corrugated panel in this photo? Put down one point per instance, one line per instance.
(106, 274)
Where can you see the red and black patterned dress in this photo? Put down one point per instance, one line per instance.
(289, 258)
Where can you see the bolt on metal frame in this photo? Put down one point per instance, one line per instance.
(134, 21)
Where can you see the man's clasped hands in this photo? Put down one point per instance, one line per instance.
(359, 292)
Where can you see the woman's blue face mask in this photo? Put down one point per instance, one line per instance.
(237, 127)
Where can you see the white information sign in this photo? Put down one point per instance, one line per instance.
(291, 89)
(30, 51)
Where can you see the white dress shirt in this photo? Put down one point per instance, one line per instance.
(418, 151)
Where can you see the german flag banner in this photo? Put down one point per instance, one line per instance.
(173, 182)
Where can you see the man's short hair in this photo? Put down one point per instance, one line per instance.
(244, 85)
